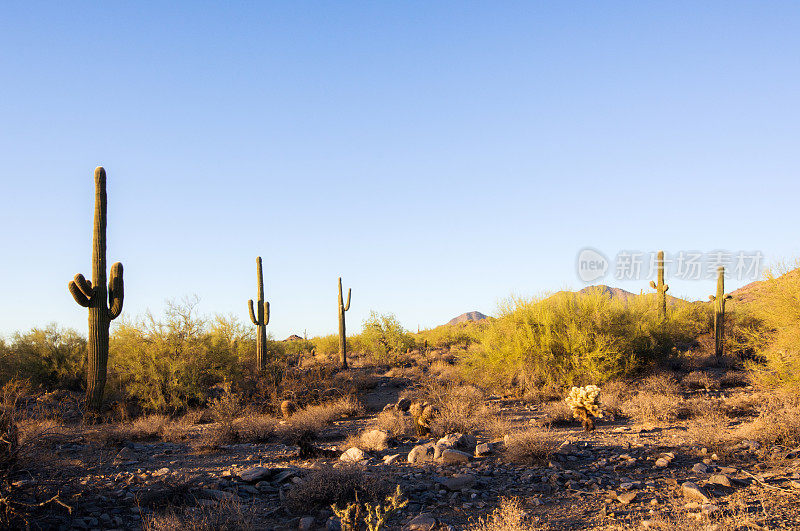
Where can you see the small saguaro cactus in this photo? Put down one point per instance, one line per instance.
(719, 311)
(104, 301)
(585, 405)
(260, 318)
(661, 288)
(342, 337)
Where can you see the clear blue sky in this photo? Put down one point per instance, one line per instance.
(440, 156)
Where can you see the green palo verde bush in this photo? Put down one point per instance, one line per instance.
(168, 364)
(777, 341)
(383, 338)
(51, 358)
(575, 338)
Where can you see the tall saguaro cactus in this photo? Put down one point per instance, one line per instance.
(719, 311)
(661, 288)
(104, 302)
(260, 318)
(342, 338)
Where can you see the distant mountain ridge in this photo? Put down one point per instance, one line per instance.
(469, 316)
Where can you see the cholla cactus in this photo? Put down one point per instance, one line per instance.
(377, 514)
(585, 405)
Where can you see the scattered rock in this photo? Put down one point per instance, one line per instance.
(353, 455)
(457, 482)
(692, 491)
(720, 479)
(306, 523)
(422, 522)
(254, 474)
(403, 404)
(483, 449)
(626, 497)
(700, 468)
(454, 457)
(390, 459)
(421, 453)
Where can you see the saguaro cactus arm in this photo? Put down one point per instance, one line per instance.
(81, 290)
(116, 291)
(347, 306)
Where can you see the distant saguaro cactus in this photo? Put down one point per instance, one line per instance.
(260, 318)
(104, 301)
(661, 288)
(342, 337)
(719, 311)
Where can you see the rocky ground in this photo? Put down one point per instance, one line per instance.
(623, 475)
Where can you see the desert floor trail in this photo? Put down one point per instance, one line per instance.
(629, 473)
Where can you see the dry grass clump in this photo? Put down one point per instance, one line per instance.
(145, 428)
(314, 418)
(734, 379)
(777, 424)
(397, 423)
(700, 380)
(557, 414)
(613, 396)
(510, 516)
(226, 515)
(661, 383)
(457, 408)
(741, 406)
(327, 486)
(534, 446)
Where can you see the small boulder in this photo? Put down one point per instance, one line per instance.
(483, 449)
(421, 522)
(353, 455)
(421, 453)
(626, 497)
(306, 523)
(254, 474)
(720, 479)
(454, 457)
(692, 491)
(457, 482)
(403, 404)
(700, 468)
(390, 459)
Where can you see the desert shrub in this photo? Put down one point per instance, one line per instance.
(778, 423)
(170, 364)
(383, 338)
(460, 335)
(778, 341)
(557, 413)
(397, 423)
(510, 516)
(327, 346)
(315, 417)
(533, 446)
(457, 408)
(573, 339)
(51, 357)
(223, 515)
(327, 486)
(700, 380)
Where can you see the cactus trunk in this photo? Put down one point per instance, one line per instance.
(260, 318)
(342, 334)
(719, 312)
(104, 301)
(661, 288)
